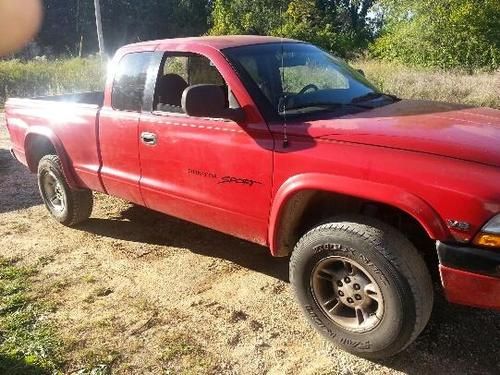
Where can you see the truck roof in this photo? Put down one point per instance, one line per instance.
(218, 42)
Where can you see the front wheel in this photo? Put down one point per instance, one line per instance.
(363, 285)
(68, 206)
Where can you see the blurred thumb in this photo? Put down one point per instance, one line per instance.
(19, 22)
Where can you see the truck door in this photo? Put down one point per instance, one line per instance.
(118, 126)
(214, 172)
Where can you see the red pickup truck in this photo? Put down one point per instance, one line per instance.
(279, 143)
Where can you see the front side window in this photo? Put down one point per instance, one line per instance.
(129, 82)
(178, 72)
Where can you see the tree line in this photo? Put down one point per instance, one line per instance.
(445, 33)
(69, 25)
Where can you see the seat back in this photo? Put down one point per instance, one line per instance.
(170, 89)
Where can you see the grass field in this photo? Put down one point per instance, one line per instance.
(40, 77)
(28, 79)
(480, 89)
(29, 344)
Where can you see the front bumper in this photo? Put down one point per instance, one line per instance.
(470, 276)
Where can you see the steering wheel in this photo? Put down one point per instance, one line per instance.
(307, 88)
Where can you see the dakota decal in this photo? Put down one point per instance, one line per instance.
(236, 180)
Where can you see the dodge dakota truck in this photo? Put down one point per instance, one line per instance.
(277, 142)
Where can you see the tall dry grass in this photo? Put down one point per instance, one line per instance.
(40, 77)
(479, 89)
(28, 79)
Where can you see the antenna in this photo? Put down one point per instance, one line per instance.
(98, 22)
(283, 100)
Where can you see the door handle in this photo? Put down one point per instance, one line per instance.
(148, 138)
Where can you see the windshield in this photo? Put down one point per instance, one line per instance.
(299, 77)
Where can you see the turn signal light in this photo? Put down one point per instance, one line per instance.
(488, 240)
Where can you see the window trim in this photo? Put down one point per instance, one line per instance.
(186, 116)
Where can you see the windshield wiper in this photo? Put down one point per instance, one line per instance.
(329, 106)
(372, 95)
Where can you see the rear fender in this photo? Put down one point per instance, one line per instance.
(40, 131)
(373, 191)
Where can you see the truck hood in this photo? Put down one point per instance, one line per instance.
(450, 130)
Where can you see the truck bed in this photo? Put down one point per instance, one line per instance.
(69, 121)
(92, 98)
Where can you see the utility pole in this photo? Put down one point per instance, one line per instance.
(98, 21)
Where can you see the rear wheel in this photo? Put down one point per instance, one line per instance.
(363, 285)
(68, 206)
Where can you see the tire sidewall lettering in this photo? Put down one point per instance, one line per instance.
(349, 340)
(337, 249)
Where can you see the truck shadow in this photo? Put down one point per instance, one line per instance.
(138, 224)
(459, 339)
(18, 187)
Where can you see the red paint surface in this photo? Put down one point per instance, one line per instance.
(434, 161)
(470, 289)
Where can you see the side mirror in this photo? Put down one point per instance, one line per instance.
(361, 71)
(209, 101)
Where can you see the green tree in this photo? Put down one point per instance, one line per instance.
(350, 19)
(124, 21)
(258, 17)
(446, 34)
(304, 21)
(338, 25)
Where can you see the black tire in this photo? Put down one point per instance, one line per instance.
(388, 259)
(74, 205)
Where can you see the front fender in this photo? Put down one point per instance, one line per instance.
(33, 132)
(377, 192)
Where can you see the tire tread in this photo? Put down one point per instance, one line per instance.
(402, 255)
(81, 200)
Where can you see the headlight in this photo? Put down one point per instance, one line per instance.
(490, 233)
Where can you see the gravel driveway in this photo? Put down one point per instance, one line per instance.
(147, 293)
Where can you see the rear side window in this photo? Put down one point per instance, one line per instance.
(129, 81)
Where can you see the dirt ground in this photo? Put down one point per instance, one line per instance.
(141, 292)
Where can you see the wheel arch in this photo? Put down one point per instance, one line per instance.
(293, 198)
(41, 141)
